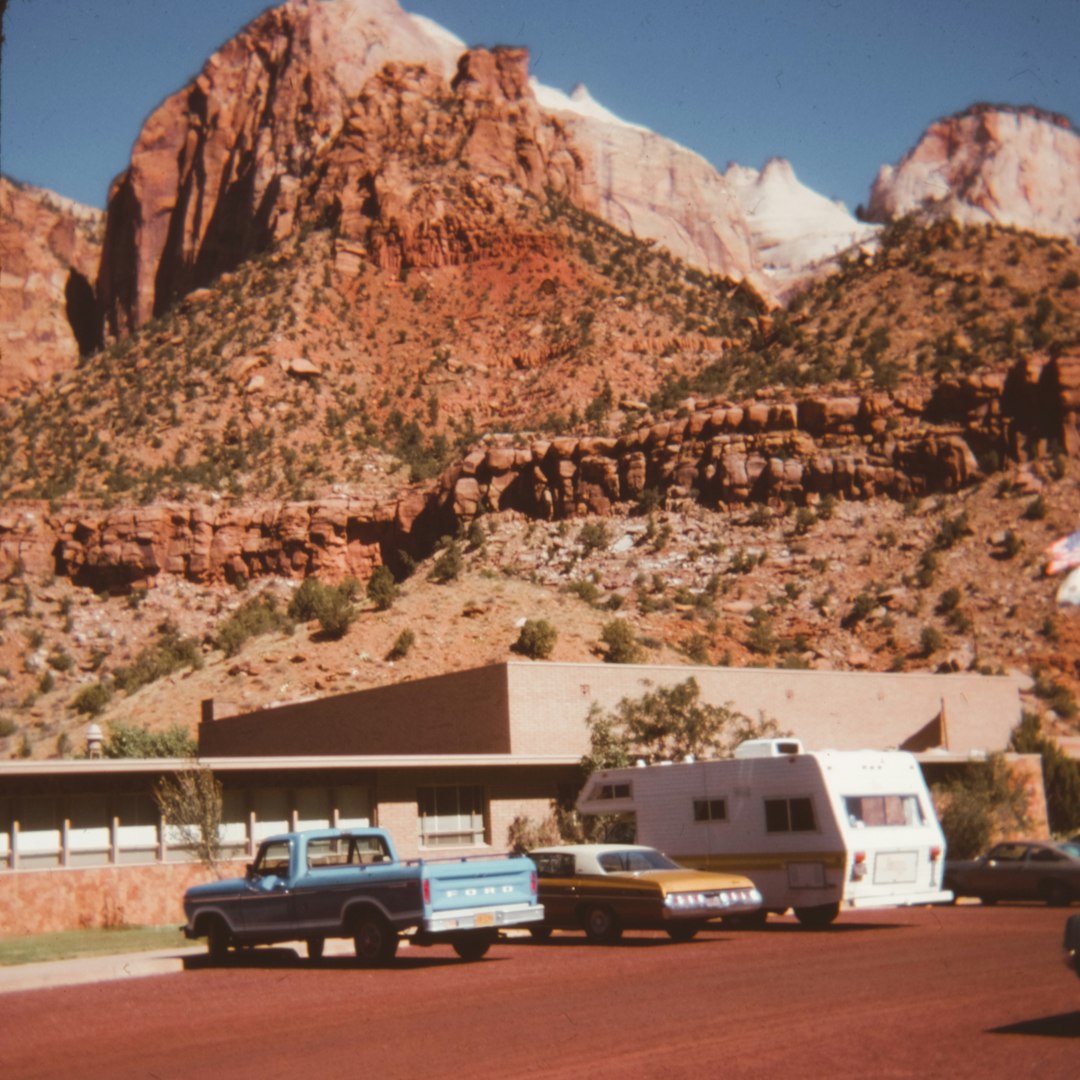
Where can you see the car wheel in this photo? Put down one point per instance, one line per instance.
(315, 947)
(374, 941)
(989, 901)
(217, 941)
(473, 946)
(601, 926)
(540, 933)
(683, 931)
(1055, 893)
(819, 917)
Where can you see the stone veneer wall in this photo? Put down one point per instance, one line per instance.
(100, 897)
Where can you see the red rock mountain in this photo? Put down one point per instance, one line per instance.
(51, 247)
(288, 118)
(989, 164)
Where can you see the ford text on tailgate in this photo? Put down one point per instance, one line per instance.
(311, 886)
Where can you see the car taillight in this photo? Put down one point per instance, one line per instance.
(858, 869)
(935, 854)
(532, 882)
(427, 890)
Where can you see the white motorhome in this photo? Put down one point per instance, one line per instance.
(816, 831)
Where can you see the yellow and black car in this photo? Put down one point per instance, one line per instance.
(604, 889)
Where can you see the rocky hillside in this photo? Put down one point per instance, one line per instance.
(368, 304)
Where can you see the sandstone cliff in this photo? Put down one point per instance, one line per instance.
(217, 170)
(719, 453)
(48, 315)
(1008, 166)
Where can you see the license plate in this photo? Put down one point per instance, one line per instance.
(485, 920)
(896, 868)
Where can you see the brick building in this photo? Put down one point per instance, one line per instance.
(444, 763)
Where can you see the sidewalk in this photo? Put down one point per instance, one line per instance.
(117, 966)
(92, 969)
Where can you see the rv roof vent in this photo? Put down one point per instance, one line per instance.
(768, 748)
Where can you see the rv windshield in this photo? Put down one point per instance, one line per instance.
(874, 810)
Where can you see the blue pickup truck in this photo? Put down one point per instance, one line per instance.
(309, 886)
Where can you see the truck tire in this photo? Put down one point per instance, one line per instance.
(540, 933)
(601, 925)
(683, 931)
(374, 940)
(315, 948)
(218, 940)
(819, 917)
(473, 946)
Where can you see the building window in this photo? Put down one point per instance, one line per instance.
(789, 815)
(451, 816)
(710, 810)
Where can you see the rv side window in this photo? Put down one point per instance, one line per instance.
(710, 810)
(875, 810)
(789, 815)
(612, 791)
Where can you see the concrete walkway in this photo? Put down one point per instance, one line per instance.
(91, 969)
(17, 978)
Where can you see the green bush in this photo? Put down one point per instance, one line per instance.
(255, 617)
(332, 605)
(985, 801)
(91, 700)
(128, 741)
(382, 590)
(622, 645)
(304, 605)
(930, 640)
(170, 653)
(1061, 774)
(594, 536)
(536, 640)
(402, 644)
(448, 565)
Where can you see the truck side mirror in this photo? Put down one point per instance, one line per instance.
(249, 871)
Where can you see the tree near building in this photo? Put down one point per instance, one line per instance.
(191, 803)
(667, 723)
(670, 723)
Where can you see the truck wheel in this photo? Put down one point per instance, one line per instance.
(473, 946)
(988, 901)
(315, 947)
(601, 926)
(819, 917)
(375, 941)
(540, 933)
(683, 931)
(217, 941)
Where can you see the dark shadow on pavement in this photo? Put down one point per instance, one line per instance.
(269, 958)
(1064, 1026)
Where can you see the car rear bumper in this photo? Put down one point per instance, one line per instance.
(930, 896)
(482, 918)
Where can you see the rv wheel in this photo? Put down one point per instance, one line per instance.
(817, 918)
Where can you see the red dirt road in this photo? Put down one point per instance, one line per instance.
(958, 992)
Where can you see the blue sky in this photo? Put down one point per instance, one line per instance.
(838, 87)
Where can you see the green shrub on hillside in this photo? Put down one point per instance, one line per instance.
(257, 616)
(536, 640)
